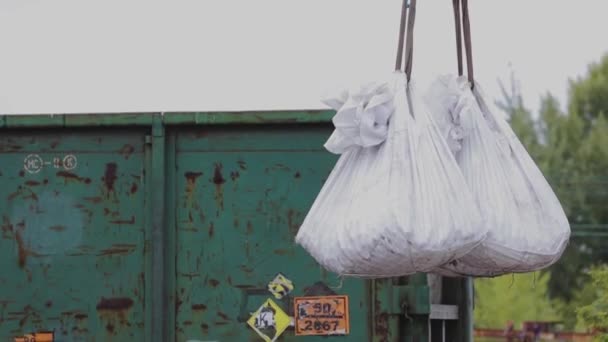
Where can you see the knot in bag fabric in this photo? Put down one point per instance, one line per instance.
(447, 96)
(527, 227)
(397, 207)
(361, 118)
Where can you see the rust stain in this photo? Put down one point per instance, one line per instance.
(282, 251)
(117, 249)
(199, 307)
(249, 228)
(110, 327)
(15, 194)
(187, 322)
(114, 304)
(205, 327)
(214, 282)
(66, 174)
(130, 221)
(57, 228)
(110, 177)
(20, 192)
(211, 229)
(246, 269)
(133, 188)
(218, 178)
(22, 250)
(81, 316)
(21, 173)
(27, 311)
(234, 175)
(95, 200)
(292, 224)
(281, 167)
(242, 165)
(32, 183)
(236, 222)
(54, 144)
(223, 316)
(192, 176)
(126, 151)
(7, 227)
(178, 303)
(297, 175)
(48, 304)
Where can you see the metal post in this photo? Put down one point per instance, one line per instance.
(466, 317)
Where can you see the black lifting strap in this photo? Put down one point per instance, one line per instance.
(408, 15)
(466, 31)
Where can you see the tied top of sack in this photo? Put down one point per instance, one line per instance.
(450, 95)
(362, 117)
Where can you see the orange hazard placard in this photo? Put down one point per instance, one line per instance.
(327, 315)
(37, 337)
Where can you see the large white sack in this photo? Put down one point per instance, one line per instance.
(394, 208)
(527, 227)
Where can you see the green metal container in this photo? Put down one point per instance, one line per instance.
(150, 227)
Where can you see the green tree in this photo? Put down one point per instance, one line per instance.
(571, 149)
(574, 157)
(588, 94)
(595, 315)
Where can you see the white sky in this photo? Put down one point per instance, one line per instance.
(113, 56)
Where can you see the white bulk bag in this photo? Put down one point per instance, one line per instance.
(395, 207)
(527, 227)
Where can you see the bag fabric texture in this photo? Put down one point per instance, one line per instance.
(527, 227)
(396, 202)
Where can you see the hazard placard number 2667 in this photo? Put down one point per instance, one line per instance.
(321, 326)
(326, 315)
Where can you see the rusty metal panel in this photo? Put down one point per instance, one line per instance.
(72, 244)
(241, 194)
(112, 234)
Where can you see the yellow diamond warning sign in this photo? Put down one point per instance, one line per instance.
(280, 286)
(269, 321)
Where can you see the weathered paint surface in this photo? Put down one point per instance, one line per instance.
(72, 235)
(241, 196)
(91, 237)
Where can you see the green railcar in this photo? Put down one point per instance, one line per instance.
(171, 226)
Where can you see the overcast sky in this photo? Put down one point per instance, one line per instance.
(113, 56)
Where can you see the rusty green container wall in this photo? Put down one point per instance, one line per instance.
(73, 247)
(170, 227)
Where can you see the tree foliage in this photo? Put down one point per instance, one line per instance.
(571, 148)
(572, 151)
(595, 315)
